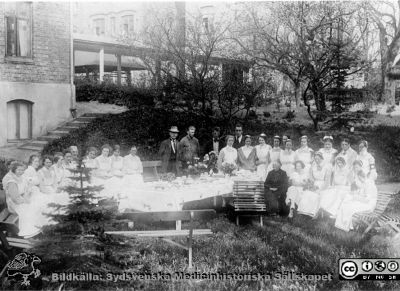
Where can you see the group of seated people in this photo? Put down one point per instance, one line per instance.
(340, 183)
(31, 188)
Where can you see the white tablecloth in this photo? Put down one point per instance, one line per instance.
(170, 196)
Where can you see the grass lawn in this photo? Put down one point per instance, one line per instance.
(302, 246)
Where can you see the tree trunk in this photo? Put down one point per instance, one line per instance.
(297, 94)
(390, 90)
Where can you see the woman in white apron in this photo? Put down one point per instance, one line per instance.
(328, 152)
(297, 180)
(274, 153)
(262, 153)
(332, 198)
(287, 158)
(102, 173)
(31, 175)
(320, 175)
(228, 155)
(133, 171)
(304, 153)
(368, 161)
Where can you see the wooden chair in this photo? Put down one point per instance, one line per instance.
(153, 165)
(185, 215)
(248, 199)
(372, 218)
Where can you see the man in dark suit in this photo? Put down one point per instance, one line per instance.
(169, 152)
(239, 138)
(215, 144)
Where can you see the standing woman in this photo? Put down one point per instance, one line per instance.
(287, 158)
(31, 174)
(304, 153)
(368, 161)
(274, 153)
(347, 153)
(362, 198)
(320, 175)
(297, 180)
(332, 198)
(328, 152)
(247, 155)
(262, 154)
(228, 155)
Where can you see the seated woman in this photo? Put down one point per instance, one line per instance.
(90, 160)
(132, 169)
(297, 180)
(368, 161)
(102, 173)
(60, 173)
(305, 153)
(320, 177)
(228, 155)
(19, 201)
(275, 188)
(362, 198)
(31, 174)
(48, 184)
(247, 156)
(287, 158)
(117, 163)
(332, 198)
(328, 152)
(262, 154)
(274, 153)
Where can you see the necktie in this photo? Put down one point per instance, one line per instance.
(174, 145)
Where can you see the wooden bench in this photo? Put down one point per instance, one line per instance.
(372, 218)
(185, 215)
(153, 165)
(248, 199)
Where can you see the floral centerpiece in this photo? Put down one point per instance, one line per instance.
(169, 177)
(228, 168)
(210, 160)
(195, 168)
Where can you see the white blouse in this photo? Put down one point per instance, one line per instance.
(132, 165)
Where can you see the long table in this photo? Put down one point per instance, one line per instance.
(171, 196)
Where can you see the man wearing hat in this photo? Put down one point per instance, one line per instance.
(169, 152)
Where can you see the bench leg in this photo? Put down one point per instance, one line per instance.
(178, 225)
(237, 220)
(370, 226)
(261, 221)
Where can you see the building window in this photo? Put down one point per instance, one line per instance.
(205, 23)
(127, 24)
(19, 29)
(99, 25)
(112, 26)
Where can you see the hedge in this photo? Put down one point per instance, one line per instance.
(113, 94)
(146, 128)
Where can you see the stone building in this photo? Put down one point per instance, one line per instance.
(36, 92)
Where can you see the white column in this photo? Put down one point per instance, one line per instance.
(118, 69)
(101, 64)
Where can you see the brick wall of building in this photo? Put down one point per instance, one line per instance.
(50, 46)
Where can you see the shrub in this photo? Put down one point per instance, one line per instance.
(266, 114)
(114, 94)
(390, 109)
(289, 115)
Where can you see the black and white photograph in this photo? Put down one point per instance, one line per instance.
(200, 145)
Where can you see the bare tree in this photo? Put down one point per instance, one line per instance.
(314, 43)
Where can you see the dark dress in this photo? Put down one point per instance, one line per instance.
(275, 200)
